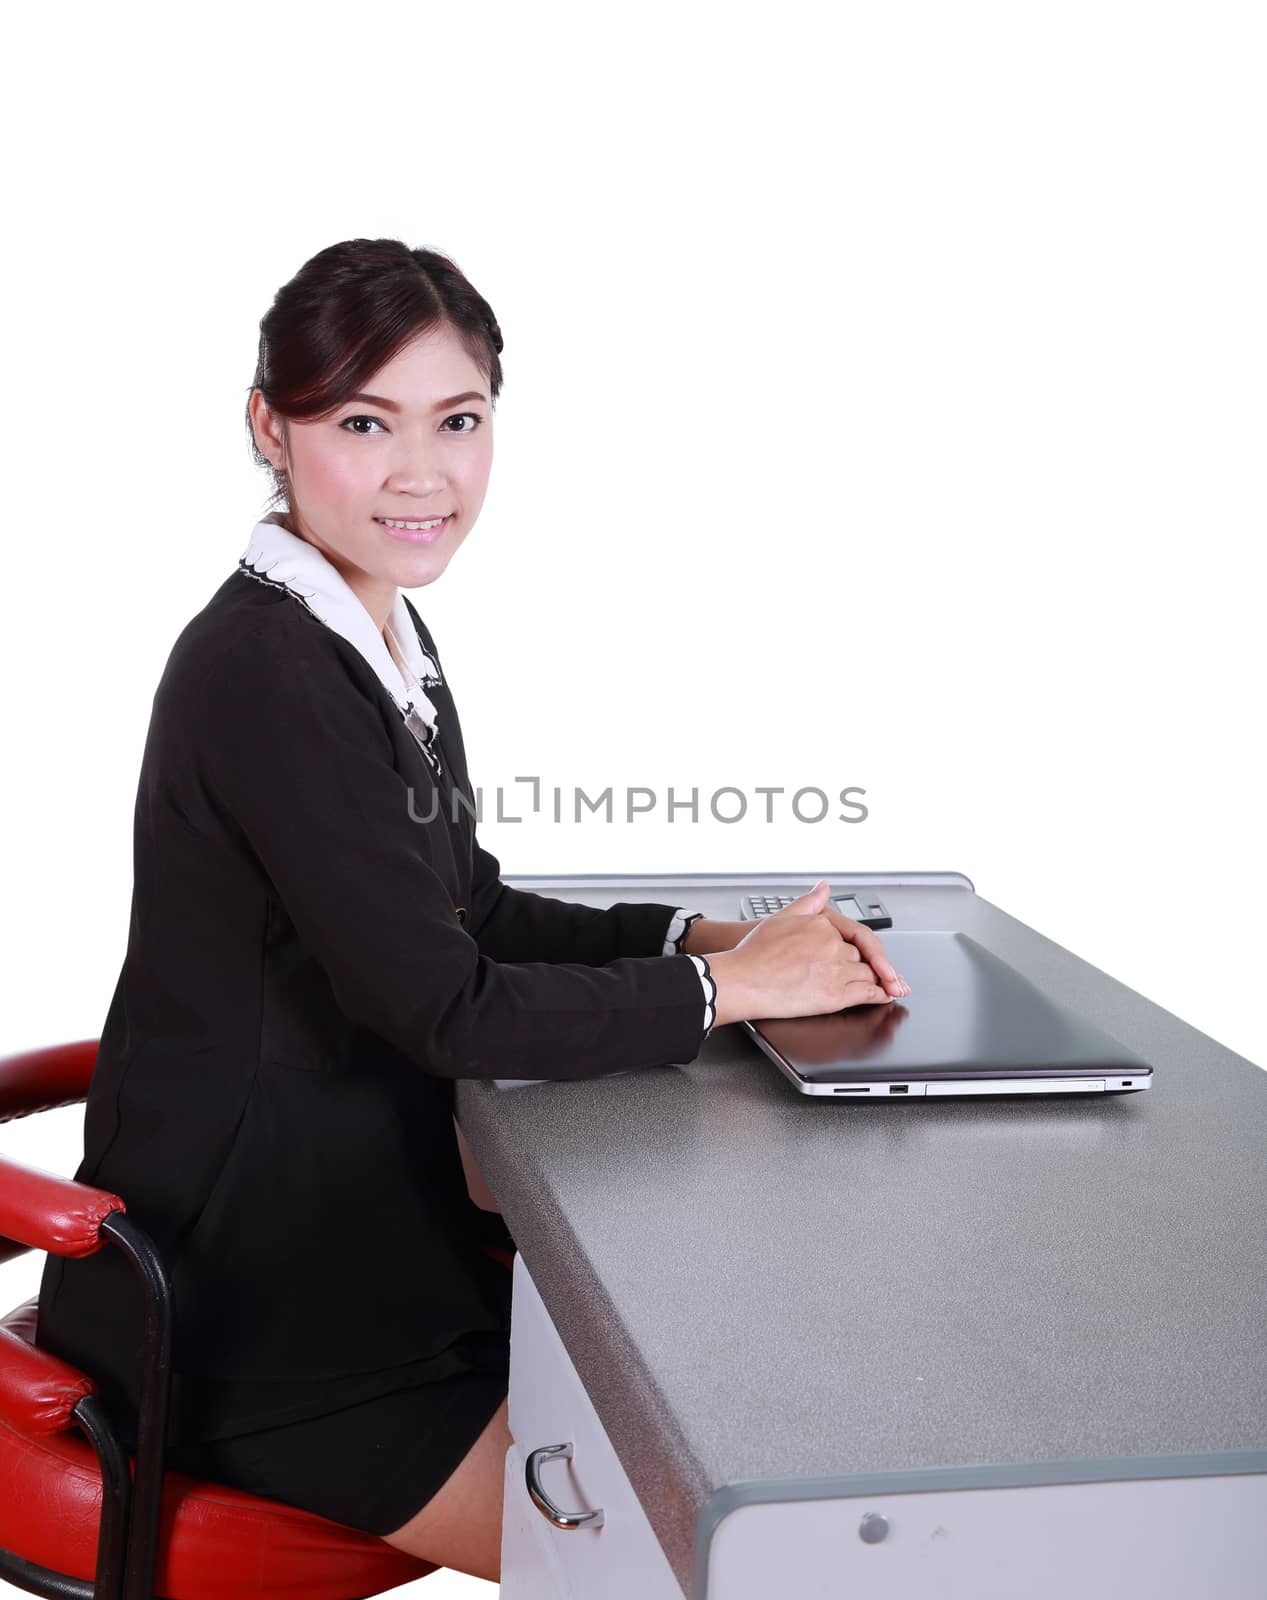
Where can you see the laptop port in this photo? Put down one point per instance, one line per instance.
(899, 1088)
(862, 1089)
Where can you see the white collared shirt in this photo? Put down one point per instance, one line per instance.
(277, 556)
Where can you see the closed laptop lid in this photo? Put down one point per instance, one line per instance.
(970, 1015)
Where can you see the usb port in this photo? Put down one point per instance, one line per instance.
(899, 1088)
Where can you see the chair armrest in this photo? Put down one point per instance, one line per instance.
(38, 1391)
(42, 1211)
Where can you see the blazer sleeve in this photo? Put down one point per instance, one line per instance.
(511, 924)
(295, 752)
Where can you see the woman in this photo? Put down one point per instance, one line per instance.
(319, 946)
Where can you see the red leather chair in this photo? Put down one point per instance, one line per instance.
(79, 1517)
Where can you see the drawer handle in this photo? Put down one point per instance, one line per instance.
(543, 1502)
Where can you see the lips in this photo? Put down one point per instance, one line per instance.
(415, 535)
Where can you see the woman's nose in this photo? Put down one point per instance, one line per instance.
(416, 468)
(418, 478)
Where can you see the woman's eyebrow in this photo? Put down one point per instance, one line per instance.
(440, 405)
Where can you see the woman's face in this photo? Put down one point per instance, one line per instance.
(417, 443)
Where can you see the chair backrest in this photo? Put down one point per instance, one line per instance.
(39, 1080)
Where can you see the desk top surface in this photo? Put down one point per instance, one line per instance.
(759, 1287)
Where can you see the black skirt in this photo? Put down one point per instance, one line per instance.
(374, 1463)
(370, 1466)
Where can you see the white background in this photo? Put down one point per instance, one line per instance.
(884, 406)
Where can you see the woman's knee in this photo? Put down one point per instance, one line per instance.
(460, 1526)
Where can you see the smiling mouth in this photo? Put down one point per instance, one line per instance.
(411, 525)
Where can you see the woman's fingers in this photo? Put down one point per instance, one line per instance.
(858, 991)
(868, 944)
(862, 944)
(808, 904)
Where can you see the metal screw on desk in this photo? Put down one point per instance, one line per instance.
(874, 1527)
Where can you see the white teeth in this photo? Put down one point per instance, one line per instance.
(413, 527)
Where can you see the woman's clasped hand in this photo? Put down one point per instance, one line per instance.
(801, 961)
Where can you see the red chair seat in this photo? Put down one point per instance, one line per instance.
(215, 1542)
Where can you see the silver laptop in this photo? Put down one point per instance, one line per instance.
(972, 1025)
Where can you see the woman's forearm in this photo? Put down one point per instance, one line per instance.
(704, 936)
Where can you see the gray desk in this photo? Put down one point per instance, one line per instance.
(770, 1295)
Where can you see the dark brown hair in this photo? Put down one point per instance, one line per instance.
(349, 310)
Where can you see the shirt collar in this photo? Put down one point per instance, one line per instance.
(276, 555)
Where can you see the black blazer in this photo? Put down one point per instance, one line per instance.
(309, 967)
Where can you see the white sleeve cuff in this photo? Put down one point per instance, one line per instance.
(677, 931)
(710, 992)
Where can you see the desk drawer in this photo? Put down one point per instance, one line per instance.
(530, 1567)
(548, 1405)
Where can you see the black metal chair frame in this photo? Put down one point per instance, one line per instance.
(131, 1504)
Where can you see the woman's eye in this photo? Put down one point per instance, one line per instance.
(473, 417)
